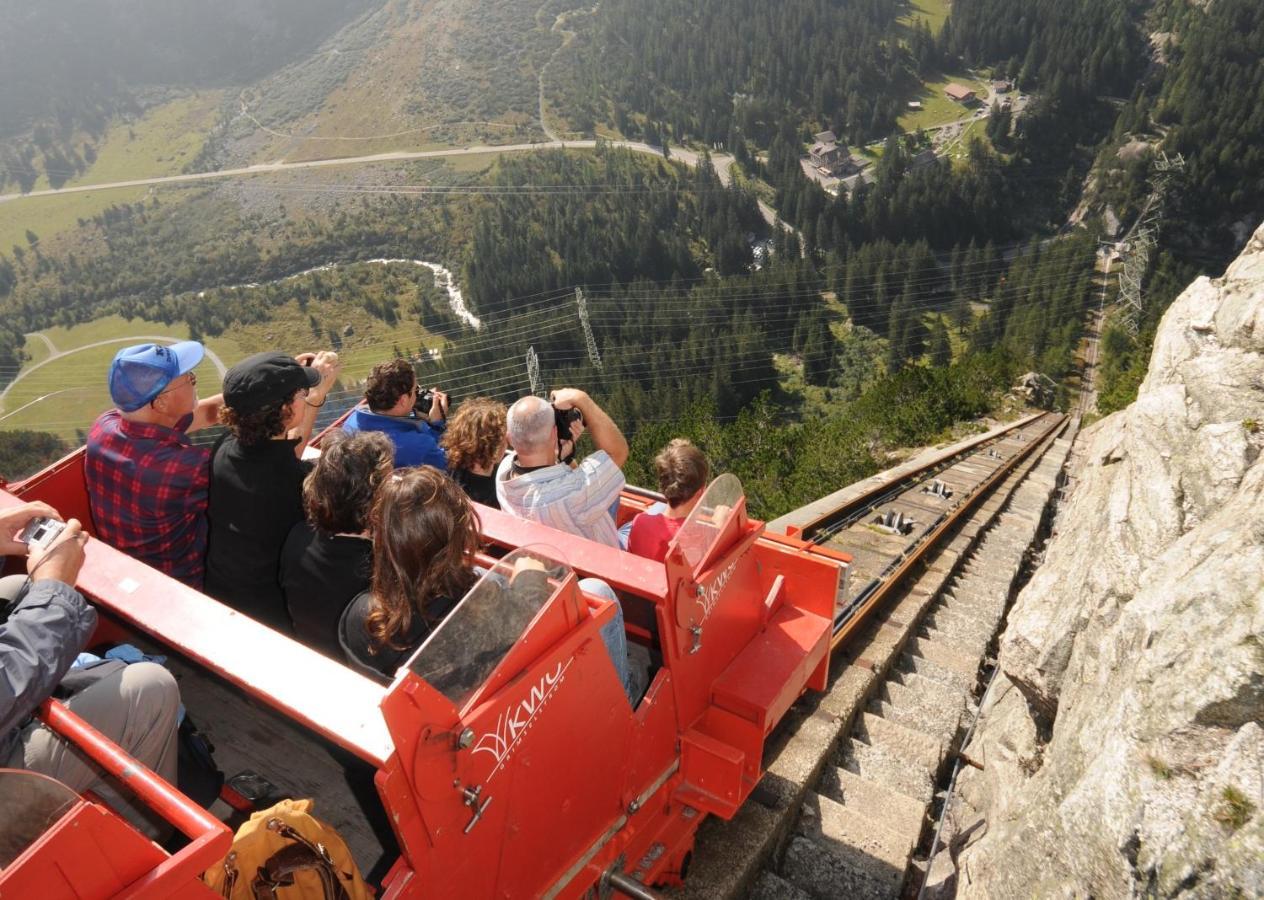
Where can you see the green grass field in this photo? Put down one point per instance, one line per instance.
(937, 108)
(161, 142)
(935, 12)
(51, 216)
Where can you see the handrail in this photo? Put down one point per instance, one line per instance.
(210, 838)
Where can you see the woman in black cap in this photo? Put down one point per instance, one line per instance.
(257, 471)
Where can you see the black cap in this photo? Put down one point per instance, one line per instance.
(266, 378)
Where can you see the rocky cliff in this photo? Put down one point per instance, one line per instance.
(1121, 740)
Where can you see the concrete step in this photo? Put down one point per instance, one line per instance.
(957, 621)
(966, 641)
(876, 763)
(823, 874)
(919, 748)
(772, 886)
(861, 842)
(896, 812)
(978, 600)
(928, 668)
(906, 707)
(967, 666)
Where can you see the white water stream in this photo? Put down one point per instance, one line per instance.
(442, 278)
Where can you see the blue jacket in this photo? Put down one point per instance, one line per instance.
(38, 643)
(416, 440)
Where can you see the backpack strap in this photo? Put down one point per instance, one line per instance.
(299, 856)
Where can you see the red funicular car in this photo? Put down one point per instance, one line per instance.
(504, 754)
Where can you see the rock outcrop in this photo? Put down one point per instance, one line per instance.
(1122, 741)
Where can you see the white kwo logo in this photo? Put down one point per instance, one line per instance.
(514, 722)
(711, 593)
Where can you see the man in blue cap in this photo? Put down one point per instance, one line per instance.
(147, 483)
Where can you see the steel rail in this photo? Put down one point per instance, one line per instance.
(861, 503)
(856, 613)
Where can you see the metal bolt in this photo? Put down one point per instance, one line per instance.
(466, 738)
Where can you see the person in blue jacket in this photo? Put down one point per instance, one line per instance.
(391, 397)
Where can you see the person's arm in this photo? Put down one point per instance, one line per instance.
(206, 413)
(46, 630)
(605, 434)
(327, 363)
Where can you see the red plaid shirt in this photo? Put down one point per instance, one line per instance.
(147, 485)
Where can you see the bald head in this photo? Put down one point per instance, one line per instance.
(531, 422)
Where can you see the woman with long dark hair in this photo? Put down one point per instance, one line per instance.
(425, 535)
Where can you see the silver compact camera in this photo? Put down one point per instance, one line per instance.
(41, 531)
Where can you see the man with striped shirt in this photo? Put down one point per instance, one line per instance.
(533, 484)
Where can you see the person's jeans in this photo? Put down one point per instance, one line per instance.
(616, 641)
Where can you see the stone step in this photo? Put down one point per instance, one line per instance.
(982, 601)
(967, 666)
(822, 874)
(913, 712)
(932, 692)
(928, 668)
(896, 812)
(878, 764)
(966, 641)
(772, 886)
(919, 748)
(957, 621)
(862, 843)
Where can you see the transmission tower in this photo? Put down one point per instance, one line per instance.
(533, 370)
(1145, 237)
(593, 353)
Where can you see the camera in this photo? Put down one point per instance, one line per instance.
(564, 418)
(425, 403)
(41, 531)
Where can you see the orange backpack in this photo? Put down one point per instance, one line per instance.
(284, 853)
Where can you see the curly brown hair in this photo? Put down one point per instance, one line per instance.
(476, 434)
(256, 427)
(682, 470)
(425, 535)
(388, 382)
(338, 492)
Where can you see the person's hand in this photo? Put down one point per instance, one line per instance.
(60, 560)
(327, 363)
(13, 520)
(527, 564)
(438, 406)
(568, 398)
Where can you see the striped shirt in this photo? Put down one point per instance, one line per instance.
(576, 501)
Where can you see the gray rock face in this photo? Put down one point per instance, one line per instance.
(1122, 743)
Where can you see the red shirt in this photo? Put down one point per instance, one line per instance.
(147, 486)
(651, 534)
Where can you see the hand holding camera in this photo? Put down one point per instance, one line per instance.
(570, 422)
(431, 405)
(16, 521)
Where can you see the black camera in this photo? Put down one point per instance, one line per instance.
(425, 400)
(425, 403)
(564, 418)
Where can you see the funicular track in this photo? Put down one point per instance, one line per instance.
(850, 789)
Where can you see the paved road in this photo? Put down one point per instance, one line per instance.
(58, 354)
(722, 161)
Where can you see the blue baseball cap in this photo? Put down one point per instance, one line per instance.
(139, 374)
